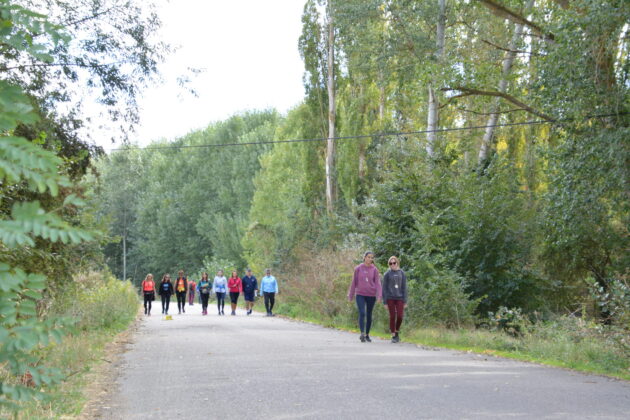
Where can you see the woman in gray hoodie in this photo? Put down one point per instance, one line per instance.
(395, 296)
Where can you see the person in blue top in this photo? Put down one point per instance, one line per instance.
(250, 285)
(269, 288)
(204, 287)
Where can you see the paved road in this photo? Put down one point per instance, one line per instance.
(254, 367)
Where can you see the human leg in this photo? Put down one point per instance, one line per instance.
(391, 307)
(369, 305)
(360, 300)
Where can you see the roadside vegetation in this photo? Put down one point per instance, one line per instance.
(483, 143)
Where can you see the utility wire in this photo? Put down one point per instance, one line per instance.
(361, 136)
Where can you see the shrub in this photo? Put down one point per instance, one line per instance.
(97, 301)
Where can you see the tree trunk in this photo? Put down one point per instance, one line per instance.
(508, 61)
(433, 115)
(330, 143)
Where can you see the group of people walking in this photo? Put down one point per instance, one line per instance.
(365, 289)
(220, 287)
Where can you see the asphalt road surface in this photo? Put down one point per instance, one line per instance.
(256, 367)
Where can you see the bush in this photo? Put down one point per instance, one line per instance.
(439, 296)
(97, 301)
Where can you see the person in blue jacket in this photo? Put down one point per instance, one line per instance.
(250, 285)
(269, 288)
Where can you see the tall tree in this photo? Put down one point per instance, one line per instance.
(331, 187)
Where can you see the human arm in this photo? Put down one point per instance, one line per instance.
(404, 286)
(353, 285)
(379, 288)
(384, 287)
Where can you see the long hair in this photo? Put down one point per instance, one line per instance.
(165, 277)
(148, 277)
(204, 275)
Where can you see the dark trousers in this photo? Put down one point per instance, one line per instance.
(396, 311)
(204, 300)
(148, 298)
(365, 304)
(270, 299)
(234, 297)
(220, 301)
(166, 300)
(191, 297)
(181, 300)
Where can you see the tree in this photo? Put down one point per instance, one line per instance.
(21, 161)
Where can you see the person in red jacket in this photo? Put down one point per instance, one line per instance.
(235, 286)
(148, 291)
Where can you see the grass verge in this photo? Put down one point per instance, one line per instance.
(103, 307)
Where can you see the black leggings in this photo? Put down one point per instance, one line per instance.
(270, 299)
(181, 300)
(220, 301)
(234, 297)
(166, 300)
(204, 300)
(363, 303)
(148, 298)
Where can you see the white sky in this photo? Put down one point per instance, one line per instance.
(249, 51)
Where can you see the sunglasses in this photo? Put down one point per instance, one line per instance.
(393, 263)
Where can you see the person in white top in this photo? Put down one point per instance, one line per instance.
(219, 287)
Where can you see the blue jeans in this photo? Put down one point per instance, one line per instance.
(365, 304)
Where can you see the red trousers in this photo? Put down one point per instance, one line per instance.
(396, 311)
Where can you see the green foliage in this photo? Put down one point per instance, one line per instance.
(440, 296)
(97, 301)
(508, 320)
(22, 333)
(213, 265)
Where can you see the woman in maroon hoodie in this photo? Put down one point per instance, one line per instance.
(366, 286)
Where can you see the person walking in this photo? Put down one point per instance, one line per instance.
(166, 290)
(236, 287)
(148, 291)
(192, 287)
(181, 287)
(219, 287)
(395, 296)
(366, 289)
(269, 288)
(204, 292)
(250, 285)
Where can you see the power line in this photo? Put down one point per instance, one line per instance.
(362, 136)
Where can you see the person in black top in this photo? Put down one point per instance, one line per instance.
(181, 286)
(165, 292)
(250, 285)
(395, 296)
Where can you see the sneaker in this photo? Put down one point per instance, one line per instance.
(397, 337)
(368, 339)
(233, 313)
(249, 313)
(183, 310)
(222, 312)
(394, 338)
(362, 338)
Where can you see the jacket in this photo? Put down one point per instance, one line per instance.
(166, 288)
(395, 285)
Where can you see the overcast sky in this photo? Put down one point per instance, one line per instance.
(248, 49)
